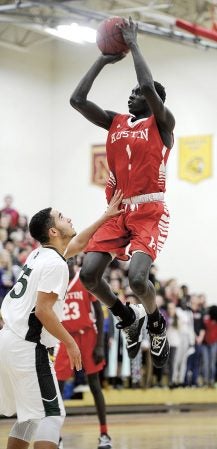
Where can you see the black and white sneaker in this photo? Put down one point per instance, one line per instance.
(105, 441)
(160, 348)
(132, 333)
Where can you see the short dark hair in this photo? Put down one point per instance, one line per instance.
(160, 90)
(40, 224)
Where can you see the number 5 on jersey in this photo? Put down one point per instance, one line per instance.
(23, 280)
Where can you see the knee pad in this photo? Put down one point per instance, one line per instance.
(24, 430)
(49, 429)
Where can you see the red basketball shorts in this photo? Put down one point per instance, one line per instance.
(142, 227)
(86, 343)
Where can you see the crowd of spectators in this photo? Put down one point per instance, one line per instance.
(192, 325)
(15, 244)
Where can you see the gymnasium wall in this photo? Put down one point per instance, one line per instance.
(26, 123)
(46, 145)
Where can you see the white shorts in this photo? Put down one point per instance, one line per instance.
(28, 383)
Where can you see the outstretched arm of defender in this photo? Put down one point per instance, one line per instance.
(79, 242)
(87, 108)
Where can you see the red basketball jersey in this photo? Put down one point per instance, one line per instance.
(77, 313)
(136, 156)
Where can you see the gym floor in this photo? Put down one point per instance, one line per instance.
(170, 430)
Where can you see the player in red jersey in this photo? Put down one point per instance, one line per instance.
(138, 146)
(78, 320)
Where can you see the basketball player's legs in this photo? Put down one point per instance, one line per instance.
(139, 280)
(45, 431)
(41, 445)
(105, 441)
(92, 370)
(13, 356)
(148, 224)
(91, 273)
(96, 390)
(39, 405)
(91, 276)
(48, 432)
(16, 443)
(144, 289)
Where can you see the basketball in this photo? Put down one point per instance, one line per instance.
(109, 37)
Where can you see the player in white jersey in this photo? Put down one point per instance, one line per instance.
(32, 312)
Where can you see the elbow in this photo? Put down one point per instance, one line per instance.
(73, 101)
(39, 313)
(76, 101)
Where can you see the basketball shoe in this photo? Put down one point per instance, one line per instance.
(160, 348)
(105, 442)
(132, 333)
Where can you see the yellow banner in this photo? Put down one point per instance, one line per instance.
(100, 171)
(195, 158)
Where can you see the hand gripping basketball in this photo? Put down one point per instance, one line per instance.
(109, 37)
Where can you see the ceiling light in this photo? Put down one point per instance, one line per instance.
(73, 33)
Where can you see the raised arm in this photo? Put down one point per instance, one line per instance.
(80, 241)
(162, 114)
(87, 108)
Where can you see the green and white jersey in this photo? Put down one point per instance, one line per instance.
(45, 270)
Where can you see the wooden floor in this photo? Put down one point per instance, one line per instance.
(171, 430)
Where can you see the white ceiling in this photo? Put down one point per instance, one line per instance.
(23, 23)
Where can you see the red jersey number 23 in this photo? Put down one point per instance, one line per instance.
(71, 311)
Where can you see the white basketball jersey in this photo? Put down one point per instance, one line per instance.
(45, 270)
